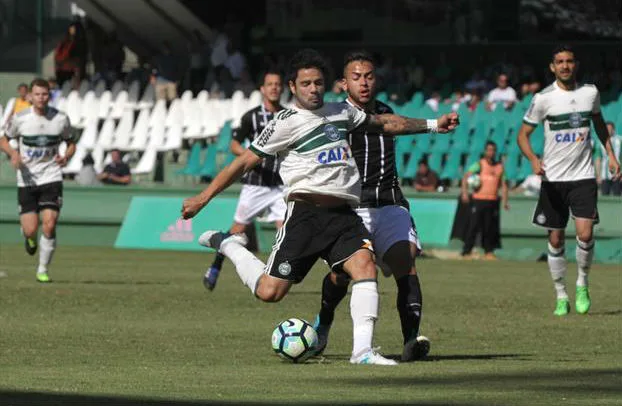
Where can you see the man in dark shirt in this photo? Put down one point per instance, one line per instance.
(426, 179)
(263, 187)
(117, 172)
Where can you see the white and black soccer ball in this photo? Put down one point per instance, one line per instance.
(294, 340)
(474, 182)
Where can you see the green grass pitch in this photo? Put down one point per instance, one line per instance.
(138, 327)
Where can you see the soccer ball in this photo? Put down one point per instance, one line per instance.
(294, 340)
(474, 182)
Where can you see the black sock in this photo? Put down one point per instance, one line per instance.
(332, 295)
(409, 305)
(218, 261)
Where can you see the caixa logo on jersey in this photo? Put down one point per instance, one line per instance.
(334, 155)
(40, 153)
(571, 137)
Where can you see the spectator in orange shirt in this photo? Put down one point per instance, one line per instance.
(22, 102)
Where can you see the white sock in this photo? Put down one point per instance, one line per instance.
(249, 267)
(585, 254)
(557, 267)
(364, 312)
(47, 246)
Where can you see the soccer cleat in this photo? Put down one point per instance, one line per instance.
(416, 349)
(582, 300)
(489, 256)
(210, 278)
(43, 277)
(322, 335)
(214, 239)
(562, 307)
(371, 357)
(31, 245)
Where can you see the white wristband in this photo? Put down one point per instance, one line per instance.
(432, 126)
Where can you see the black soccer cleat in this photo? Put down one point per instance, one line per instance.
(31, 245)
(416, 349)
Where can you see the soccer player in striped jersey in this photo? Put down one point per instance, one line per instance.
(322, 188)
(39, 131)
(568, 180)
(384, 211)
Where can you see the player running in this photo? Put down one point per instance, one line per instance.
(568, 181)
(322, 186)
(39, 129)
(384, 211)
(263, 187)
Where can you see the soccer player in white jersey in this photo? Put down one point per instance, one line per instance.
(322, 187)
(39, 131)
(568, 181)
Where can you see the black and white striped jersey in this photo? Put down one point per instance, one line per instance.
(251, 125)
(374, 154)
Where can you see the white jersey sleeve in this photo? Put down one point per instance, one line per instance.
(356, 117)
(536, 111)
(11, 128)
(273, 139)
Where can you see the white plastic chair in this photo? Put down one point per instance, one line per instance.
(140, 132)
(88, 138)
(75, 163)
(156, 137)
(124, 131)
(105, 102)
(119, 105)
(133, 93)
(73, 111)
(173, 139)
(8, 111)
(158, 115)
(146, 102)
(175, 114)
(146, 164)
(104, 141)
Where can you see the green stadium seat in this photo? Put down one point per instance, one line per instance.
(460, 139)
(524, 169)
(472, 158)
(435, 161)
(224, 137)
(383, 97)
(209, 167)
(441, 142)
(452, 166)
(499, 135)
(511, 165)
(537, 140)
(413, 162)
(422, 142)
(417, 100)
(193, 166)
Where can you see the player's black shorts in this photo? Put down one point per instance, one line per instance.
(33, 199)
(309, 233)
(559, 200)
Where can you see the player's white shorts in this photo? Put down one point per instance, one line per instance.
(254, 200)
(387, 226)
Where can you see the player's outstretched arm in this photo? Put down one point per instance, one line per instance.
(224, 179)
(603, 135)
(392, 124)
(523, 143)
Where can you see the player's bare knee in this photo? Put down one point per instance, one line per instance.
(585, 235)
(271, 290)
(48, 227)
(557, 239)
(361, 265)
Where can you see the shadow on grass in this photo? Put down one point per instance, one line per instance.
(606, 313)
(63, 282)
(18, 398)
(580, 381)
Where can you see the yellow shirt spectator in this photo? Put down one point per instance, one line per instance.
(20, 104)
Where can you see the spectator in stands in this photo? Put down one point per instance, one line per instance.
(199, 62)
(434, 101)
(117, 172)
(87, 175)
(476, 98)
(484, 217)
(245, 84)
(503, 93)
(426, 180)
(22, 101)
(609, 185)
(166, 73)
(458, 98)
(55, 92)
(70, 56)
(113, 57)
(235, 62)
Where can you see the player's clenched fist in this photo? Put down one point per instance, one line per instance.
(448, 122)
(191, 207)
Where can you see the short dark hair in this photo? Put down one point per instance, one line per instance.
(269, 72)
(610, 123)
(40, 82)
(358, 55)
(22, 85)
(423, 161)
(305, 59)
(494, 144)
(115, 150)
(562, 48)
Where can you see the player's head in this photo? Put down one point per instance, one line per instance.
(39, 93)
(502, 81)
(423, 167)
(490, 150)
(359, 77)
(563, 64)
(22, 90)
(306, 76)
(271, 86)
(611, 128)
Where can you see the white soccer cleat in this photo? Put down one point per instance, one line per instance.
(214, 239)
(371, 357)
